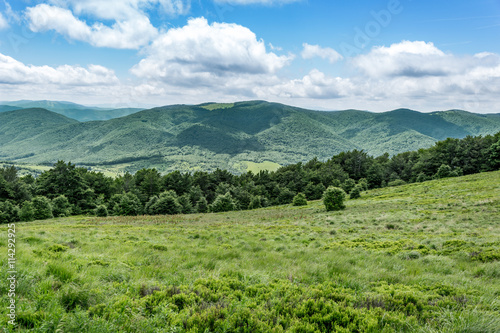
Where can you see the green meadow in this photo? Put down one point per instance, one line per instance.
(423, 257)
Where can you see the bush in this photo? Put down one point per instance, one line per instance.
(42, 208)
(314, 192)
(8, 212)
(129, 205)
(223, 203)
(356, 192)
(149, 206)
(348, 185)
(101, 211)
(27, 212)
(61, 206)
(166, 204)
(256, 202)
(299, 200)
(422, 178)
(396, 182)
(333, 198)
(363, 183)
(444, 171)
(285, 196)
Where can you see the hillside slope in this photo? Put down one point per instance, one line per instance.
(416, 258)
(210, 136)
(70, 110)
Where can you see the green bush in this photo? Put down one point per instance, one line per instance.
(356, 192)
(166, 204)
(348, 185)
(223, 203)
(8, 212)
(444, 171)
(42, 208)
(129, 205)
(299, 200)
(256, 202)
(61, 206)
(101, 211)
(396, 182)
(27, 212)
(333, 198)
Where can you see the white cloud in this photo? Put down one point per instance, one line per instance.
(123, 9)
(315, 85)
(3, 22)
(409, 74)
(312, 51)
(201, 54)
(413, 59)
(260, 2)
(128, 34)
(13, 72)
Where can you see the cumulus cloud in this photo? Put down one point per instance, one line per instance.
(312, 51)
(13, 72)
(3, 22)
(315, 85)
(199, 54)
(407, 74)
(128, 34)
(412, 59)
(123, 9)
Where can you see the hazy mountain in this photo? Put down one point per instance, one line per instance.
(207, 136)
(71, 110)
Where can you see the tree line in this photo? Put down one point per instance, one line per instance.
(68, 190)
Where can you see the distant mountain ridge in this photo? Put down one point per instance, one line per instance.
(236, 136)
(71, 110)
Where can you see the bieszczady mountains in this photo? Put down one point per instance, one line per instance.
(237, 137)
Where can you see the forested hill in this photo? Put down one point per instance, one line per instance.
(237, 137)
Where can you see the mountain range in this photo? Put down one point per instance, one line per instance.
(71, 110)
(239, 136)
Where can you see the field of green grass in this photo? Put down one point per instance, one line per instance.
(423, 257)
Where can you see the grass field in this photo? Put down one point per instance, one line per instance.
(416, 258)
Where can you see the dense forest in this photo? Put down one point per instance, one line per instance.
(70, 190)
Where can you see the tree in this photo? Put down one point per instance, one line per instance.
(494, 156)
(285, 196)
(8, 212)
(333, 198)
(202, 205)
(42, 208)
(61, 206)
(129, 205)
(62, 179)
(314, 192)
(27, 212)
(256, 202)
(299, 200)
(185, 202)
(148, 182)
(223, 203)
(166, 204)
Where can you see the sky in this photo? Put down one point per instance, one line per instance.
(375, 55)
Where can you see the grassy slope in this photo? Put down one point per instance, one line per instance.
(182, 137)
(422, 257)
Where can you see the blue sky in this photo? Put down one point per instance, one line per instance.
(330, 55)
